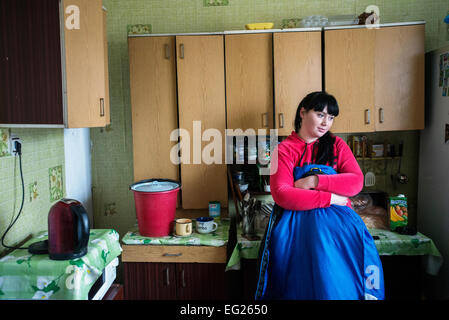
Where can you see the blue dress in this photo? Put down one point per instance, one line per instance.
(318, 254)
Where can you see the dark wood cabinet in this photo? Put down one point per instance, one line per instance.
(115, 292)
(30, 62)
(174, 281)
(53, 74)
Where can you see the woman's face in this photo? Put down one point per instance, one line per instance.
(315, 123)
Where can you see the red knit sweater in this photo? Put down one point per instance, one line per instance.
(292, 152)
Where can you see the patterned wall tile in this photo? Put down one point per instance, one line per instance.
(56, 187)
(110, 209)
(291, 23)
(32, 188)
(213, 3)
(139, 28)
(4, 142)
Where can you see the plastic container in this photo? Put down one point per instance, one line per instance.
(214, 209)
(343, 20)
(155, 201)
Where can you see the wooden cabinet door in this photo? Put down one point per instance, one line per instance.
(297, 72)
(85, 65)
(201, 97)
(200, 281)
(249, 81)
(153, 105)
(399, 78)
(149, 281)
(349, 76)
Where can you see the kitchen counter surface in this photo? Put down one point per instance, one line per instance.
(388, 243)
(200, 248)
(35, 276)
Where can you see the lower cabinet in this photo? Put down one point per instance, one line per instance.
(174, 281)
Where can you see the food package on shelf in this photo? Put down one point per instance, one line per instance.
(398, 212)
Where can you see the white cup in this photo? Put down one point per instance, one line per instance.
(205, 225)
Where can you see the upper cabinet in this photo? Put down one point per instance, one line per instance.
(349, 76)
(154, 106)
(86, 66)
(54, 64)
(377, 77)
(202, 111)
(249, 81)
(399, 73)
(297, 72)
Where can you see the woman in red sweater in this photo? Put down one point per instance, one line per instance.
(316, 246)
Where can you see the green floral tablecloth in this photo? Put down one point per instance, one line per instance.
(389, 243)
(217, 238)
(31, 276)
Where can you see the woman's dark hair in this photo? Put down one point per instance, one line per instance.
(317, 101)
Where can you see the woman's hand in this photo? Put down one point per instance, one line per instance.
(307, 183)
(338, 200)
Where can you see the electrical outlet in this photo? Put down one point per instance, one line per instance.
(13, 139)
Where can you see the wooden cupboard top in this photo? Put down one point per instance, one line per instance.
(225, 32)
(395, 24)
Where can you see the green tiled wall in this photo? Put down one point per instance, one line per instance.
(112, 147)
(42, 151)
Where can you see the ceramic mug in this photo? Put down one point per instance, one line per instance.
(183, 227)
(205, 225)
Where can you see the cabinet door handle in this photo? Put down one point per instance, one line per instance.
(172, 254)
(181, 48)
(367, 116)
(167, 51)
(167, 277)
(183, 282)
(265, 119)
(281, 120)
(381, 115)
(101, 107)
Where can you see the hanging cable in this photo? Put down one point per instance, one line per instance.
(18, 147)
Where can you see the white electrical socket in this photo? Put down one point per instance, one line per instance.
(13, 138)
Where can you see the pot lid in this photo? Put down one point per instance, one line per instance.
(155, 185)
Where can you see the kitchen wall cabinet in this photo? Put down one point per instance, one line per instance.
(297, 72)
(201, 99)
(86, 66)
(399, 78)
(349, 70)
(377, 77)
(249, 81)
(154, 106)
(53, 75)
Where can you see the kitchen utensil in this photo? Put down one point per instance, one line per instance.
(401, 177)
(68, 232)
(370, 179)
